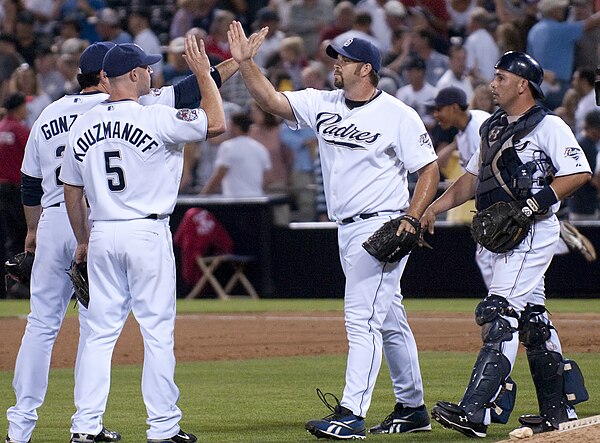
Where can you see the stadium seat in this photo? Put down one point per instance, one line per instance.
(209, 267)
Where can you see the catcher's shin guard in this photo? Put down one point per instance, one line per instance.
(492, 367)
(558, 382)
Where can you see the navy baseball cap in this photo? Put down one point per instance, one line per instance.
(449, 96)
(357, 49)
(90, 61)
(124, 57)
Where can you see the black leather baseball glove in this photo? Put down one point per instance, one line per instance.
(79, 278)
(501, 227)
(388, 247)
(19, 267)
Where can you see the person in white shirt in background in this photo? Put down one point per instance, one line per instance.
(456, 73)
(482, 50)
(583, 82)
(138, 23)
(241, 163)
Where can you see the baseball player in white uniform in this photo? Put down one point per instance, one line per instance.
(532, 157)
(368, 142)
(118, 154)
(54, 245)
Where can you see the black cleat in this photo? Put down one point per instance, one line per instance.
(180, 437)
(451, 416)
(104, 436)
(404, 420)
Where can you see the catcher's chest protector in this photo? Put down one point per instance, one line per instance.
(499, 159)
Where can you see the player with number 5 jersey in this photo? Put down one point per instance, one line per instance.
(118, 154)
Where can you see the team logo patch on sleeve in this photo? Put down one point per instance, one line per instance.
(187, 115)
(155, 91)
(425, 141)
(574, 153)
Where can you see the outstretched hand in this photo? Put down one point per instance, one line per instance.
(257, 39)
(239, 45)
(195, 55)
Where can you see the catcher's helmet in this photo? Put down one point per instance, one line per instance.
(524, 66)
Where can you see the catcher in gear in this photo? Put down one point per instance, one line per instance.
(528, 160)
(19, 267)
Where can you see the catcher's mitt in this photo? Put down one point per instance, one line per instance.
(79, 278)
(501, 227)
(388, 247)
(19, 267)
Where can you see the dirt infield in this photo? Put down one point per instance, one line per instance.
(245, 336)
(211, 337)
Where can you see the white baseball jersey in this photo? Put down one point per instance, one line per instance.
(468, 140)
(552, 145)
(46, 144)
(106, 149)
(366, 152)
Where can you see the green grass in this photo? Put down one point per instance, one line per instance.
(16, 308)
(264, 401)
(269, 400)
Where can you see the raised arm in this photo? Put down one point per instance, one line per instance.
(229, 67)
(261, 89)
(211, 102)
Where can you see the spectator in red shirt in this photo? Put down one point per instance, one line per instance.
(216, 43)
(13, 138)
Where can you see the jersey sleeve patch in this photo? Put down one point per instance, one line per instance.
(425, 142)
(574, 153)
(155, 92)
(187, 115)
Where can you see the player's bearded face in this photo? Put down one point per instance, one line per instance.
(344, 70)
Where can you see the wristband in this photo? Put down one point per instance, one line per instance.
(541, 201)
(414, 222)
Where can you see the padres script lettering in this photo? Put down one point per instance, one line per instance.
(111, 130)
(340, 133)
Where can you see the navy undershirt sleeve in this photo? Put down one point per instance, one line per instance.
(187, 93)
(31, 190)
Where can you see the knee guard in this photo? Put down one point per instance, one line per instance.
(492, 367)
(558, 382)
(489, 314)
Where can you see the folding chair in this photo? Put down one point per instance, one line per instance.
(210, 265)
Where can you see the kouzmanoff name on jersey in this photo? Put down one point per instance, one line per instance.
(107, 130)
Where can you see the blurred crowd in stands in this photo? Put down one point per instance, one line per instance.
(426, 45)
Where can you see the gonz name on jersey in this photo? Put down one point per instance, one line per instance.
(113, 130)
